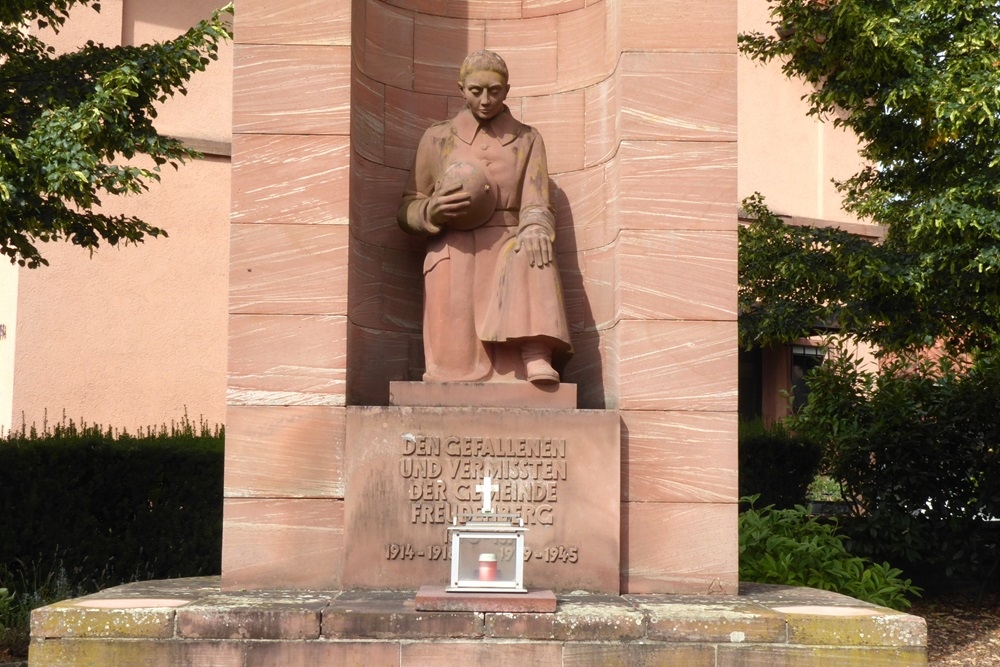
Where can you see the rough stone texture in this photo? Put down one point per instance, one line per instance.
(437, 598)
(483, 394)
(580, 618)
(193, 622)
(72, 619)
(393, 615)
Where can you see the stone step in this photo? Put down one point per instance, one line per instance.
(192, 621)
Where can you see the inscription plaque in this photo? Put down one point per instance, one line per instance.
(410, 470)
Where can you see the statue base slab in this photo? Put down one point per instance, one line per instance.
(193, 622)
(436, 598)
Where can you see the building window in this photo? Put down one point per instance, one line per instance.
(804, 359)
(751, 384)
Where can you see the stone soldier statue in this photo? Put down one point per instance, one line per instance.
(479, 189)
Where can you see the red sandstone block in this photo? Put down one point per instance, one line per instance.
(677, 185)
(560, 120)
(302, 22)
(679, 456)
(854, 625)
(818, 656)
(292, 89)
(294, 180)
(530, 8)
(483, 394)
(376, 357)
(694, 97)
(249, 617)
(376, 193)
(679, 25)
(368, 119)
(407, 115)
(683, 275)
(602, 110)
(287, 359)
(99, 618)
(437, 598)
(494, 654)
(635, 655)
(388, 46)
(588, 45)
(101, 653)
(583, 220)
(589, 288)
(578, 619)
(275, 544)
(288, 269)
(392, 615)
(594, 369)
(679, 548)
(677, 365)
(312, 654)
(709, 619)
(528, 47)
(294, 451)
(440, 45)
(386, 288)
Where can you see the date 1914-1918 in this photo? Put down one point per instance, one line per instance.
(550, 554)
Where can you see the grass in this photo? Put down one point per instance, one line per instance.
(824, 489)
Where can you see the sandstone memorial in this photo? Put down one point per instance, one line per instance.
(463, 285)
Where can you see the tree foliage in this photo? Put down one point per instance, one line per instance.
(72, 124)
(916, 446)
(918, 81)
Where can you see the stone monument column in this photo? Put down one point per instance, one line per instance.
(636, 101)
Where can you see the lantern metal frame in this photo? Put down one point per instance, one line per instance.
(466, 538)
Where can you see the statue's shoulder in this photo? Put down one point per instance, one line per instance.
(440, 127)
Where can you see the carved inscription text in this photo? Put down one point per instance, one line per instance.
(442, 473)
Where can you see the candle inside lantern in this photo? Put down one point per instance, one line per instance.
(487, 567)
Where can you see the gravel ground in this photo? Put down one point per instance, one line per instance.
(963, 629)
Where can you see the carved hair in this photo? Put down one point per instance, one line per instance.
(482, 61)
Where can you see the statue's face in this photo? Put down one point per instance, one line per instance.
(484, 93)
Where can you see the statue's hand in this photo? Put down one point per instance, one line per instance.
(535, 240)
(447, 204)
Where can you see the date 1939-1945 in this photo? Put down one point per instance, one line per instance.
(550, 554)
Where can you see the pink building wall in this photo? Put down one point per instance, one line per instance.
(636, 100)
(134, 336)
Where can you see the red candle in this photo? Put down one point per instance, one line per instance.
(487, 567)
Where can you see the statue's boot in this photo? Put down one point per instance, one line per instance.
(538, 363)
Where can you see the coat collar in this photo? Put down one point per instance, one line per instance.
(465, 126)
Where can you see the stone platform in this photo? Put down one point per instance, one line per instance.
(192, 622)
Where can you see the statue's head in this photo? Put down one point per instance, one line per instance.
(483, 82)
(482, 61)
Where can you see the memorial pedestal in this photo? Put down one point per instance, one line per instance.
(193, 622)
(410, 470)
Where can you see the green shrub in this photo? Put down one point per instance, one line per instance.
(776, 465)
(789, 546)
(111, 506)
(86, 508)
(916, 444)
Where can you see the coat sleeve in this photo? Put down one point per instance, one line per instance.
(536, 204)
(412, 212)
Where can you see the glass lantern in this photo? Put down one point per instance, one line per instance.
(487, 554)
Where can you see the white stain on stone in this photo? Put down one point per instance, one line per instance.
(736, 636)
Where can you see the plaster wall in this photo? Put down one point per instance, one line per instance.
(8, 316)
(789, 157)
(135, 336)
